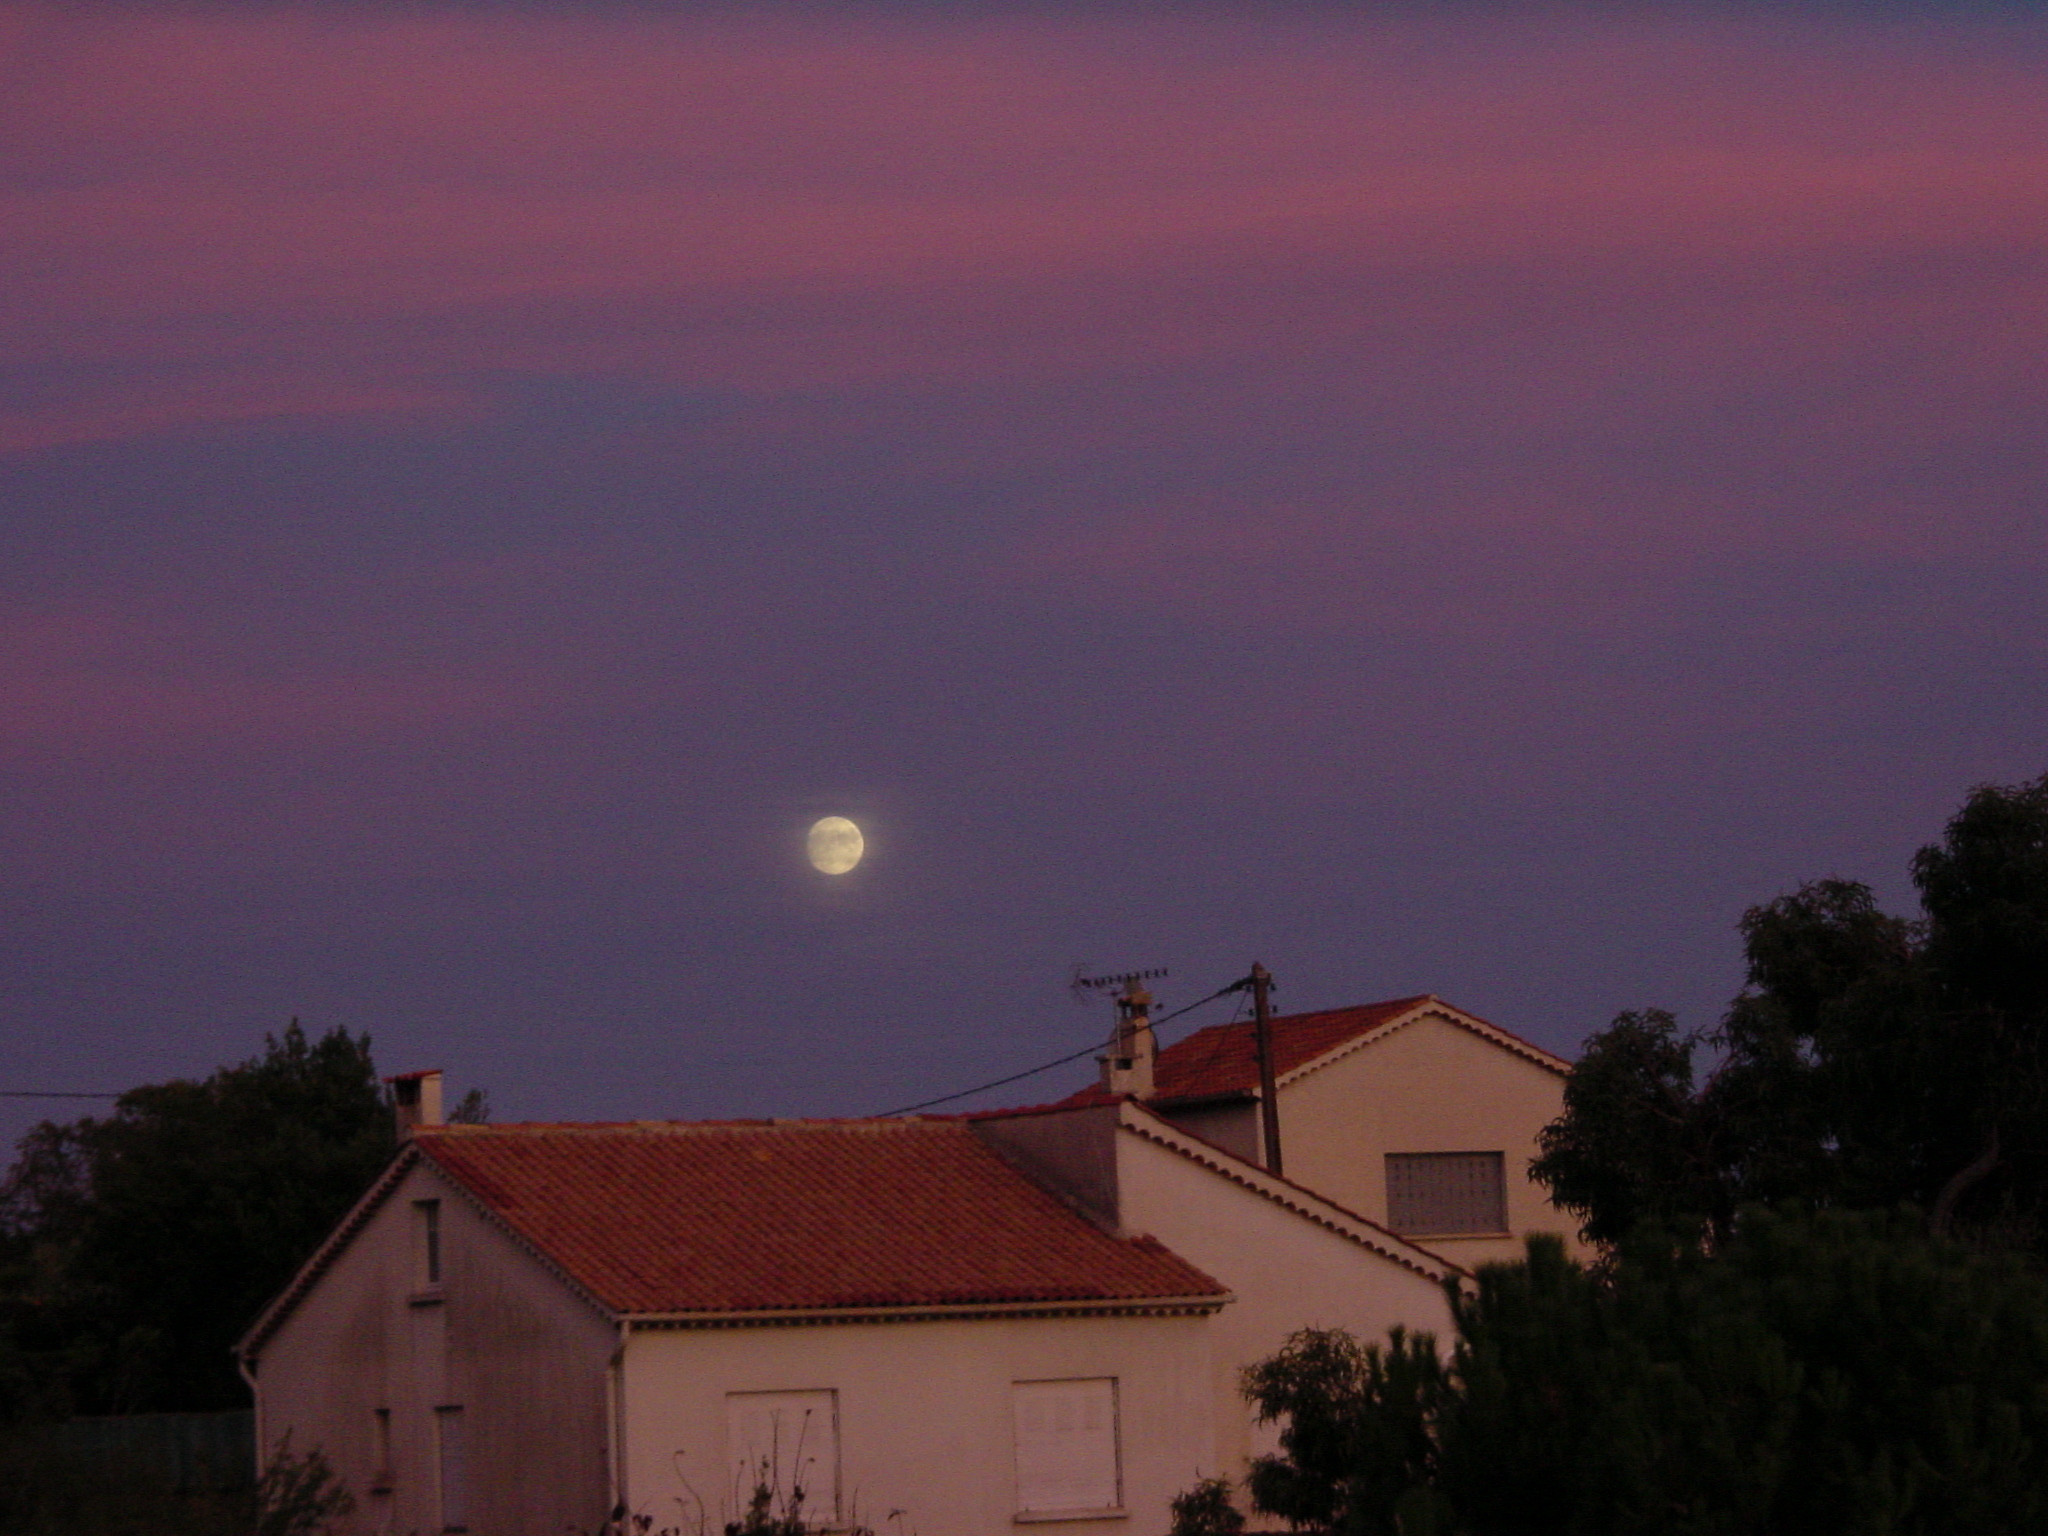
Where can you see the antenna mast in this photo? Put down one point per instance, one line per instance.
(1127, 1065)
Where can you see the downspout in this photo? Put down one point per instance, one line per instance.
(248, 1375)
(615, 1427)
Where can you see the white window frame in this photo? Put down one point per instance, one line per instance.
(429, 1252)
(451, 1458)
(1097, 1493)
(1493, 1224)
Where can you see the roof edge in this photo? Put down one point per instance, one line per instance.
(1158, 1306)
(1298, 1198)
(414, 1151)
(1430, 1003)
(281, 1306)
(517, 1238)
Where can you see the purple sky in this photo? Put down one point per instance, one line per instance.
(1460, 501)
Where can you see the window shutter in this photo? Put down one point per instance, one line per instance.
(1066, 1445)
(788, 1440)
(454, 1455)
(1441, 1194)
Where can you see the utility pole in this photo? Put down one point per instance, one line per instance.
(1269, 1095)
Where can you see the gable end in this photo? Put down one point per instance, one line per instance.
(1294, 1197)
(1435, 1007)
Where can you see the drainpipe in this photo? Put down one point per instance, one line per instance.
(615, 1423)
(248, 1375)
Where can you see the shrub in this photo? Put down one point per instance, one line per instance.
(1817, 1372)
(1206, 1510)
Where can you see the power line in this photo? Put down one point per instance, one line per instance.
(39, 1093)
(1086, 1050)
(1014, 1077)
(1168, 1018)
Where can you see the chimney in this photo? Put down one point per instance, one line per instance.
(415, 1100)
(1128, 1066)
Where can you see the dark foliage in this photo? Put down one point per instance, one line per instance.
(299, 1494)
(1206, 1510)
(49, 1489)
(1869, 1061)
(1633, 1145)
(1357, 1429)
(1830, 1371)
(135, 1249)
(1818, 1372)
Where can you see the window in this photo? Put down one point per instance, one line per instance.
(380, 1451)
(427, 1241)
(453, 1445)
(1443, 1194)
(1066, 1446)
(788, 1443)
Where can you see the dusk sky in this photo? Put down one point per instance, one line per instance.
(1456, 499)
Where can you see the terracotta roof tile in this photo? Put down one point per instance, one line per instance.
(759, 1216)
(1223, 1059)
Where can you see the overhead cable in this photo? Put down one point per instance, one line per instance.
(1086, 1050)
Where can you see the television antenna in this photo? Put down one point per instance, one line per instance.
(1081, 984)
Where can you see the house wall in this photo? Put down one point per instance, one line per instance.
(522, 1356)
(1072, 1153)
(1287, 1273)
(1233, 1126)
(925, 1417)
(1430, 1086)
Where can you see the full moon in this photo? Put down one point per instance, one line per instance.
(835, 845)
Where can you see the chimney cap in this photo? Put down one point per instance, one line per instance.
(416, 1100)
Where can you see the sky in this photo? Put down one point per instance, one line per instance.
(1459, 498)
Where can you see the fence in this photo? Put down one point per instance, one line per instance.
(181, 1452)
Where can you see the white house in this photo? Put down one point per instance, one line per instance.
(1413, 1113)
(953, 1327)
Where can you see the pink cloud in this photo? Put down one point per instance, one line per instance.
(236, 401)
(1609, 224)
(91, 680)
(391, 168)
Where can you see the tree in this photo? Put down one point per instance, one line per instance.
(1985, 891)
(1632, 1144)
(1869, 1059)
(1815, 1371)
(139, 1246)
(1357, 1436)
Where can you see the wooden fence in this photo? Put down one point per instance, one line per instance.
(182, 1452)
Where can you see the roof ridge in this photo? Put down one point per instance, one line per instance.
(1316, 1013)
(906, 1213)
(1217, 1062)
(851, 1123)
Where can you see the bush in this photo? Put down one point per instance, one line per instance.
(299, 1495)
(1830, 1372)
(1206, 1510)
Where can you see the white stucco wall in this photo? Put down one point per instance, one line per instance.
(925, 1422)
(1429, 1086)
(1232, 1125)
(1286, 1271)
(520, 1354)
(924, 1414)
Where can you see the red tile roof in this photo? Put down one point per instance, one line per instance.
(1222, 1060)
(758, 1216)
